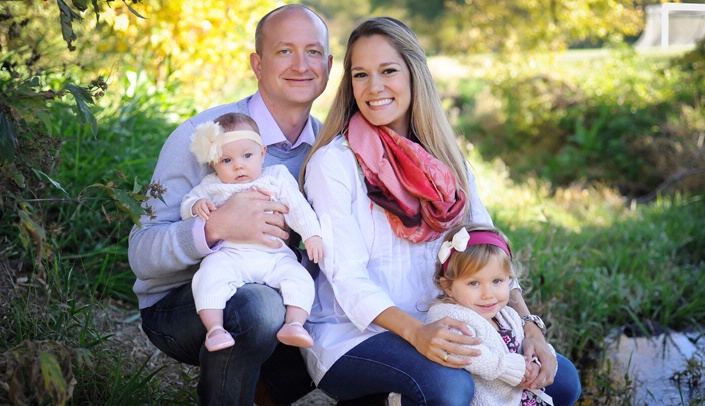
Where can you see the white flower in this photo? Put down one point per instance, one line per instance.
(204, 142)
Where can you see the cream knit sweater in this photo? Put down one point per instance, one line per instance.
(496, 372)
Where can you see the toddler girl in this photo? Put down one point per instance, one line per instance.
(474, 272)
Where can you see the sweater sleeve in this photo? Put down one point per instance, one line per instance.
(189, 200)
(495, 360)
(301, 217)
(164, 246)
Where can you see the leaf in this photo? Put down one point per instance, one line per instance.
(54, 382)
(83, 98)
(46, 119)
(56, 184)
(67, 15)
(125, 201)
(8, 138)
(81, 5)
(136, 186)
(31, 231)
(132, 10)
(132, 205)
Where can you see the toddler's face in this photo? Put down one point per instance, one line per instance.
(241, 162)
(486, 292)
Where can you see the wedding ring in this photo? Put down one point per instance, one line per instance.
(536, 360)
(445, 359)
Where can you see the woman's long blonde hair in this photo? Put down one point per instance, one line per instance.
(428, 120)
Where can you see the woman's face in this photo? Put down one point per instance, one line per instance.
(381, 83)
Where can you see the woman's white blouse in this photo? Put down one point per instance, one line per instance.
(366, 268)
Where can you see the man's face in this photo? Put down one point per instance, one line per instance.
(294, 65)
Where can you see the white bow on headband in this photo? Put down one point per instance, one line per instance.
(459, 243)
(204, 142)
(208, 140)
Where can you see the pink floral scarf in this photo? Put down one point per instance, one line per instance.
(416, 190)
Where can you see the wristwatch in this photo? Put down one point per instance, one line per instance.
(532, 318)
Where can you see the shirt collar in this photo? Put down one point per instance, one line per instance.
(268, 127)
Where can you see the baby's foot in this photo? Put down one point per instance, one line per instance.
(215, 342)
(295, 335)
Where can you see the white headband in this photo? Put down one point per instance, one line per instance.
(208, 140)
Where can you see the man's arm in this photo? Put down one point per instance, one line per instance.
(166, 244)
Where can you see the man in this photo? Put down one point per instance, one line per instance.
(292, 64)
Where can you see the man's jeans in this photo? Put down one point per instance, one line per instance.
(229, 376)
(388, 363)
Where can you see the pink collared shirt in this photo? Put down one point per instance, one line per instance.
(270, 131)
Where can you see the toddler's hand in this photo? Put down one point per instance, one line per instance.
(533, 367)
(314, 248)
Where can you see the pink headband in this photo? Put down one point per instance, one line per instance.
(462, 240)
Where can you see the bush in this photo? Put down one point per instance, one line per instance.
(630, 121)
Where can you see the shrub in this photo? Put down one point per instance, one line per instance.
(630, 121)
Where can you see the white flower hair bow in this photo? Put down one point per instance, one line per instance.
(458, 243)
(205, 144)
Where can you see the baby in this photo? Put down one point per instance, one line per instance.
(233, 147)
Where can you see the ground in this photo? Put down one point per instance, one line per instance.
(123, 322)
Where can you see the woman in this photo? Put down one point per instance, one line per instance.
(387, 180)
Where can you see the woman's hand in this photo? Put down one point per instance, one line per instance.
(440, 342)
(535, 345)
(437, 341)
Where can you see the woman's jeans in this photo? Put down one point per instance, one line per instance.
(388, 363)
(229, 376)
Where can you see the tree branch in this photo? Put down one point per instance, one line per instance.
(685, 173)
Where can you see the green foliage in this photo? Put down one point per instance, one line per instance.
(135, 121)
(33, 92)
(595, 265)
(49, 343)
(631, 121)
(462, 26)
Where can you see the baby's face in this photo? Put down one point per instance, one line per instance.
(241, 162)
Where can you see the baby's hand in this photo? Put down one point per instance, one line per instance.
(314, 248)
(202, 208)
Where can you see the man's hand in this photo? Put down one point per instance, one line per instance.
(248, 217)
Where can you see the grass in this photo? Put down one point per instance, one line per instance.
(596, 262)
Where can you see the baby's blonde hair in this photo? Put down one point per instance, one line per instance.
(462, 264)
